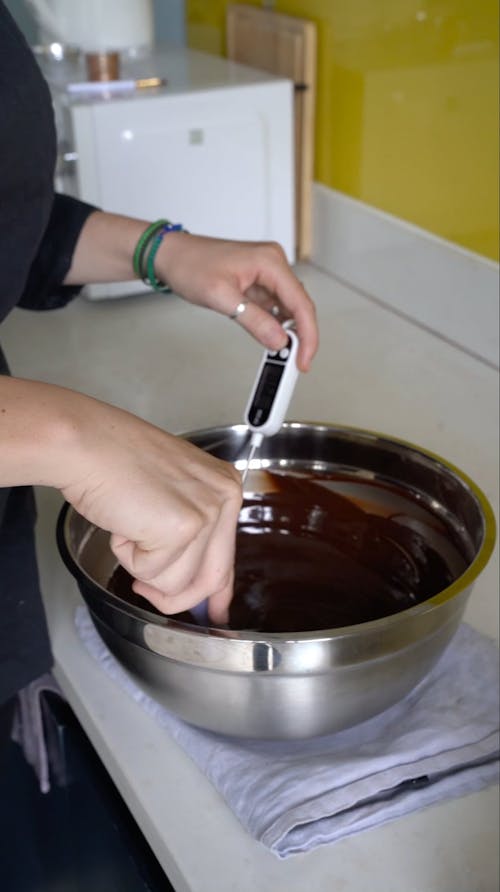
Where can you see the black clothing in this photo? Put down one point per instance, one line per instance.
(6, 721)
(38, 234)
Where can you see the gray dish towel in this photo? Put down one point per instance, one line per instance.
(440, 742)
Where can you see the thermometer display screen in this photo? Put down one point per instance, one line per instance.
(265, 393)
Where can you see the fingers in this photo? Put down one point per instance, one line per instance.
(218, 604)
(267, 329)
(267, 301)
(203, 568)
(161, 568)
(171, 509)
(221, 274)
(263, 326)
(275, 295)
(277, 276)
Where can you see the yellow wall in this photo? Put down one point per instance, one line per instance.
(407, 113)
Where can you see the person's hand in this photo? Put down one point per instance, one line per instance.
(222, 274)
(215, 273)
(171, 508)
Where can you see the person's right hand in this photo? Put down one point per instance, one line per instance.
(171, 508)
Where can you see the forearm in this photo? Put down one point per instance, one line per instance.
(39, 432)
(105, 249)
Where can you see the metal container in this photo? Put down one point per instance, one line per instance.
(281, 685)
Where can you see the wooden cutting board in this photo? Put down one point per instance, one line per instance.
(285, 46)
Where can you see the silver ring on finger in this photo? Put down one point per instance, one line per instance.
(239, 310)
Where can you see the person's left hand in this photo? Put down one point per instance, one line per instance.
(222, 274)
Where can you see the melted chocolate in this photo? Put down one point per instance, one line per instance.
(310, 558)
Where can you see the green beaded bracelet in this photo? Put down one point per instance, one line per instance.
(151, 278)
(140, 248)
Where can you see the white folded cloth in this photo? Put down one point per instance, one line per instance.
(440, 742)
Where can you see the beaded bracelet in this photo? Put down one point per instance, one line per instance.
(151, 278)
(146, 250)
(148, 233)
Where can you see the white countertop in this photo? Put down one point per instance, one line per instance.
(184, 368)
(185, 71)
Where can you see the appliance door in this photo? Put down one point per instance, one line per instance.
(219, 162)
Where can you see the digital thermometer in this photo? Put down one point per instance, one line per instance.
(265, 411)
(271, 393)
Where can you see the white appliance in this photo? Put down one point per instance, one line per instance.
(213, 150)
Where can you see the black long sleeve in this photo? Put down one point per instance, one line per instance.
(38, 231)
(43, 289)
(38, 234)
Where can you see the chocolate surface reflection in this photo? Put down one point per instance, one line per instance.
(319, 553)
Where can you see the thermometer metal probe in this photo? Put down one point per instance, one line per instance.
(255, 442)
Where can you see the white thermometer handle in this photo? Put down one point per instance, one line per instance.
(273, 388)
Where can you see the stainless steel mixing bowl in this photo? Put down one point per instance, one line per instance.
(301, 685)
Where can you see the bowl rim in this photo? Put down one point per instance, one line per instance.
(458, 586)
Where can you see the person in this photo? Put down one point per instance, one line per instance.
(171, 509)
